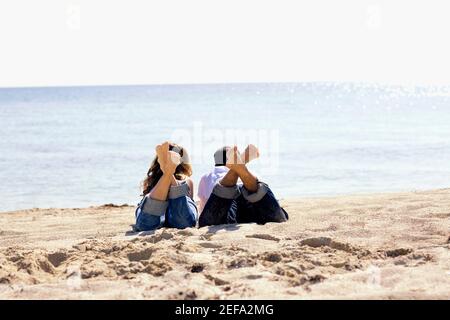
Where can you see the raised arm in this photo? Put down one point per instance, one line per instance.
(168, 161)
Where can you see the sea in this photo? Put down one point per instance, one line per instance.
(85, 146)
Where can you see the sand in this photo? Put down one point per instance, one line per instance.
(383, 246)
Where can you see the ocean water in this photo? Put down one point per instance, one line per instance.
(82, 146)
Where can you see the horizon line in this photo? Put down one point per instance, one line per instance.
(370, 83)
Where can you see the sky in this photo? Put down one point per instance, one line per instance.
(111, 42)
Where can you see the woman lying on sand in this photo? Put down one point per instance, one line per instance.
(167, 191)
(168, 194)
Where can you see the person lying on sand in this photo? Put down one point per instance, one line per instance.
(209, 180)
(167, 191)
(251, 201)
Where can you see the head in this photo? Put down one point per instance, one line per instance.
(154, 173)
(220, 156)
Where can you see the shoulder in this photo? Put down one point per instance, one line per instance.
(203, 178)
(190, 183)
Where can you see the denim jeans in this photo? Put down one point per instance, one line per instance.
(179, 211)
(236, 204)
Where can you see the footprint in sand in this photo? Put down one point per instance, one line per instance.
(210, 245)
(140, 255)
(57, 258)
(328, 242)
(263, 236)
(242, 262)
(206, 236)
(215, 280)
(185, 232)
(254, 276)
(197, 268)
(398, 252)
(4, 233)
(164, 235)
(271, 256)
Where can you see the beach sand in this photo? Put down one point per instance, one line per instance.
(381, 246)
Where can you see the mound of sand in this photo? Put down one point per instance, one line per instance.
(374, 246)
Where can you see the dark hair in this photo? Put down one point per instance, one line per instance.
(155, 173)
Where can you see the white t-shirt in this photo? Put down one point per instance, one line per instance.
(207, 183)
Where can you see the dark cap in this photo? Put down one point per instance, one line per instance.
(220, 156)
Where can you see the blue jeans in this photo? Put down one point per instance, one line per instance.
(236, 204)
(179, 211)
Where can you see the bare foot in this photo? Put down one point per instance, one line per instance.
(234, 160)
(164, 155)
(237, 165)
(251, 153)
(161, 152)
(173, 160)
